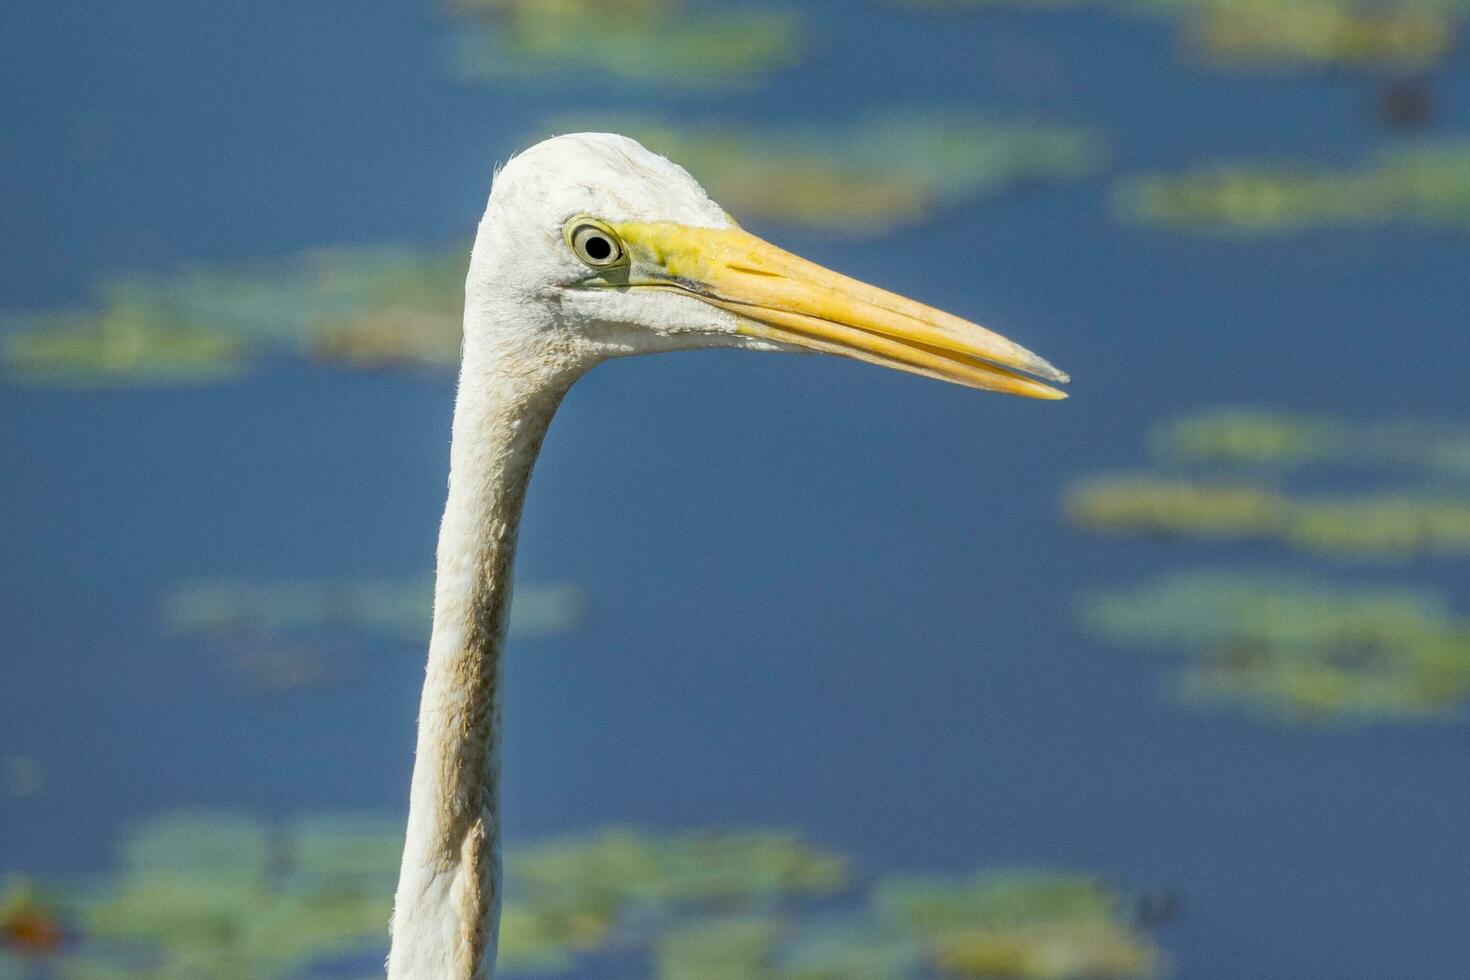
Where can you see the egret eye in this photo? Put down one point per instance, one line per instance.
(594, 243)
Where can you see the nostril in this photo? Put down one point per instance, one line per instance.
(754, 271)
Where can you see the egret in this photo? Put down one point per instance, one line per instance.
(591, 248)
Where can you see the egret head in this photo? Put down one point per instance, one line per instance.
(593, 247)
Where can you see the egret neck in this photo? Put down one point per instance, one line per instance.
(449, 892)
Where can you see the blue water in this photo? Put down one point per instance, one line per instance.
(822, 596)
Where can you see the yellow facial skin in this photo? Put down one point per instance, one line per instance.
(783, 297)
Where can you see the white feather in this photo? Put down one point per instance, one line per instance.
(527, 338)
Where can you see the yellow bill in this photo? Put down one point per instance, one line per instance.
(784, 298)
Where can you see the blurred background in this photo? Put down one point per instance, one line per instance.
(817, 671)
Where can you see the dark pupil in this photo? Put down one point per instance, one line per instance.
(598, 247)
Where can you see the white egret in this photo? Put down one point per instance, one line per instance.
(591, 248)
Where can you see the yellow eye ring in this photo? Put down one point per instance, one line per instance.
(595, 243)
